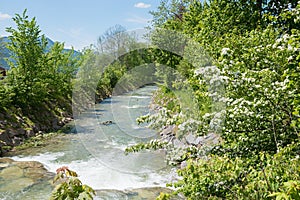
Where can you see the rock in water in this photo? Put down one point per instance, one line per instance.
(15, 176)
(106, 123)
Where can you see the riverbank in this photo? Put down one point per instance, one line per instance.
(35, 144)
(20, 124)
(17, 125)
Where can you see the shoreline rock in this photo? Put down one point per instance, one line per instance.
(17, 175)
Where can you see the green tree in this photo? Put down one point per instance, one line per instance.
(27, 62)
(37, 74)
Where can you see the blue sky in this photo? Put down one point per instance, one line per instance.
(78, 23)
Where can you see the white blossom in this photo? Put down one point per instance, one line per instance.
(278, 40)
(285, 37)
(280, 47)
(224, 51)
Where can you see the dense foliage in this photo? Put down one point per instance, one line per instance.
(36, 93)
(244, 90)
(36, 74)
(254, 46)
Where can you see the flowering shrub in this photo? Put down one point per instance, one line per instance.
(249, 95)
(236, 178)
(261, 94)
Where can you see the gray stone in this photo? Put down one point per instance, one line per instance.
(199, 140)
(14, 124)
(61, 123)
(68, 119)
(56, 124)
(178, 143)
(18, 175)
(21, 131)
(3, 165)
(12, 132)
(35, 128)
(191, 139)
(167, 131)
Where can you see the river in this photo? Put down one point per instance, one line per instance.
(96, 151)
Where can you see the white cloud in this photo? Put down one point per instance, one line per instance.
(137, 19)
(142, 5)
(4, 16)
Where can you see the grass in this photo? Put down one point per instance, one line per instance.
(37, 141)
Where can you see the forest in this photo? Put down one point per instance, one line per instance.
(236, 68)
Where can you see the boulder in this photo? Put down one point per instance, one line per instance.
(11, 172)
(17, 185)
(211, 138)
(15, 176)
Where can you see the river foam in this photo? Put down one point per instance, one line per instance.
(98, 176)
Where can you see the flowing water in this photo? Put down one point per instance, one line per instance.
(96, 152)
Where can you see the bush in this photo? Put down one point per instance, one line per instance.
(70, 187)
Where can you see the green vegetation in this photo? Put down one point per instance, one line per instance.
(243, 88)
(37, 74)
(36, 93)
(254, 49)
(70, 187)
(37, 141)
